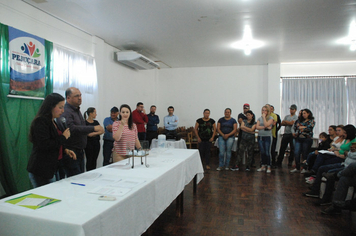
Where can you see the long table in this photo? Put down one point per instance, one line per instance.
(81, 213)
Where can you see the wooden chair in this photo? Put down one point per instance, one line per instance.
(192, 140)
(189, 140)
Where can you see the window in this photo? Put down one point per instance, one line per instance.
(332, 99)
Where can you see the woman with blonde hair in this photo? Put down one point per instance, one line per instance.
(264, 127)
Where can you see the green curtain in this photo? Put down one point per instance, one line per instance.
(16, 115)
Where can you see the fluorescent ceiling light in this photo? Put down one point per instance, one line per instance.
(351, 38)
(247, 43)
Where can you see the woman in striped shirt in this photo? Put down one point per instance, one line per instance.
(124, 134)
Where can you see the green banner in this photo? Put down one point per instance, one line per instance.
(16, 115)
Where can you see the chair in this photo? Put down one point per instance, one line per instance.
(189, 139)
(192, 140)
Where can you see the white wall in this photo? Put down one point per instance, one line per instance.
(318, 69)
(191, 90)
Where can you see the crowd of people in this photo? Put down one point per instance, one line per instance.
(62, 138)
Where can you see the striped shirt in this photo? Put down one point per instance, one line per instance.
(128, 136)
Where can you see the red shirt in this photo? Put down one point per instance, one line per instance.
(140, 119)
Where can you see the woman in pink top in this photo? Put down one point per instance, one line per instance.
(124, 133)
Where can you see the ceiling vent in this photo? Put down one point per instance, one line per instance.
(135, 60)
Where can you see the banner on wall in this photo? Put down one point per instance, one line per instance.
(27, 64)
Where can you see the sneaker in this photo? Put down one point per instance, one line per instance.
(261, 169)
(294, 170)
(235, 167)
(331, 210)
(247, 168)
(268, 170)
(311, 194)
(219, 168)
(207, 167)
(311, 180)
(303, 171)
(227, 168)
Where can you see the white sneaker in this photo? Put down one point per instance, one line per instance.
(227, 168)
(219, 168)
(303, 171)
(294, 170)
(261, 169)
(268, 170)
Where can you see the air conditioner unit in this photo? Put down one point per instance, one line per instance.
(135, 60)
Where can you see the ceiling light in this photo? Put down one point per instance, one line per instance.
(247, 43)
(351, 38)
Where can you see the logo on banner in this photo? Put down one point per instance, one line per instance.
(26, 57)
(30, 49)
(27, 67)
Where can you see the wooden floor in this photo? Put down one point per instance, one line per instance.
(250, 203)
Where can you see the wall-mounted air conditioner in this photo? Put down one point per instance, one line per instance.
(135, 60)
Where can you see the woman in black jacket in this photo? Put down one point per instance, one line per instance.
(47, 141)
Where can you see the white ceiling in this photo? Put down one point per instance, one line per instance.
(198, 33)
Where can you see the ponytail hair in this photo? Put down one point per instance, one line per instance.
(88, 111)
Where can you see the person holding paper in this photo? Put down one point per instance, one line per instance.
(124, 134)
(47, 141)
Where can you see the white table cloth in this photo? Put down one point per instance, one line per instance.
(80, 213)
(180, 144)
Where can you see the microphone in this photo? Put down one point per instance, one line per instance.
(63, 120)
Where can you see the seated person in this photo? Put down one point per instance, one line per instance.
(332, 175)
(324, 144)
(347, 179)
(350, 131)
(337, 148)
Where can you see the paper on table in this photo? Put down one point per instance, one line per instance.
(326, 152)
(31, 202)
(111, 191)
(127, 183)
(105, 181)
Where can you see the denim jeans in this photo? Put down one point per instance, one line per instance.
(264, 143)
(225, 146)
(204, 151)
(327, 168)
(302, 146)
(38, 181)
(107, 150)
(74, 167)
(325, 159)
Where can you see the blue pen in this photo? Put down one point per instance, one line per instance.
(78, 184)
